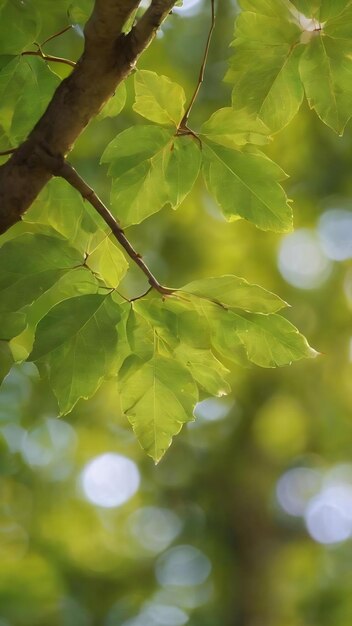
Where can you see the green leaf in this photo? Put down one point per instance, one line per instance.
(158, 398)
(340, 27)
(234, 292)
(321, 9)
(270, 340)
(60, 207)
(19, 25)
(6, 360)
(80, 10)
(30, 265)
(115, 105)
(74, 283)
(151, 167)
(205, 368)
(264, 68)
(77, 340)
(181, 167)
(106, 260)
(326, 71)
(231, 128)
(26, 87)
(271, 8)
(266, 340)
(247, 185)
(158, 98)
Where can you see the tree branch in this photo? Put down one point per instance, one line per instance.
(62, 168)
(48, 57)
(108, 57)
(183, 123)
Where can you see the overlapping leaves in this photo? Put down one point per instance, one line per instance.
(285, 49)
(152, 166)
(59, 308)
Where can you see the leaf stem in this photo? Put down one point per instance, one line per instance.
(62, 168)
(48, 57)
(183, 123)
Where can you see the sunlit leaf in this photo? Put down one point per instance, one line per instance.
(231, 128)
(115, 105)
(326, 71)
(156, 409)
(106, 260)
(150, 168)
(264, 68)
(234, 292)
(247, 185)
(58, 206)
(205, 368)
(181, 168)
(270, 340)
(158, 98)
(78, 342)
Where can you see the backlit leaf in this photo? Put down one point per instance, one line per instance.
(205, 368)
(247, 185)
(106, 260)
(115, 105)
(270, 340)
(150, 168)
(264, 68)
(155, 408)
(158, 98)
(231, 128)
(234, 292)
(78, 342)
(326, 71)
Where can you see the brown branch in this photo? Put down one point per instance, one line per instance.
(108, 58)
(9, 151)
(63, 169)
(48, 57)
(183, 123)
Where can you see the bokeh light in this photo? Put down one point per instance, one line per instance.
(302, 260)
(324, 501)
(335, 234)
(296, 487)
(155, 528)
(110, 480)
(182, 566)
(213, 409)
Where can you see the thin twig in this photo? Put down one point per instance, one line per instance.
(9, 151)
(63, 169)
(141, 296)
(183, 123)
(48, 57)
(61, 32)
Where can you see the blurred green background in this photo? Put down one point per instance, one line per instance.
(247, 521)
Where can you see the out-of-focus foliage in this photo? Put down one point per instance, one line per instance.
(247, 520)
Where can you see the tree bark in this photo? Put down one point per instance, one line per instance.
(108, 58)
